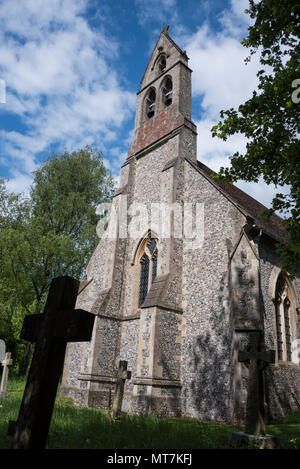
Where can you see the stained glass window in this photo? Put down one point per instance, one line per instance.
(154, 268)
(279, 330)
(152, 245)
(283, 328)
(148, 266)
(144, 279)
(286, 306)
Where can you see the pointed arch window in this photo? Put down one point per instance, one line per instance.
(148, 267)
(285, 320)
(161, 63)
(150, 103)
(167, 91)
(144, 279)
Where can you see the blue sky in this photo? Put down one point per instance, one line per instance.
(72, 69)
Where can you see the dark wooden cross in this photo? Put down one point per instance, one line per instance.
(256, 359)
(60, 323)
(122, 375)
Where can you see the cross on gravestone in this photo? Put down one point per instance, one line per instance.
(5, 363)
(60, 323)
(122, 375)
(257, 359)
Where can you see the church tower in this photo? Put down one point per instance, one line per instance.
(153, 175)
(164, 101)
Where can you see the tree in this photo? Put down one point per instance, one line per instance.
(53, 232)
(270, 118)
(14, 300)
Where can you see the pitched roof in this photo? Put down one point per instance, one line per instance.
(248, 204)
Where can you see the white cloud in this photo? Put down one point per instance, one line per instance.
(219, 72)
(213, 151)
(234, 19)
(158, 10)
(60, 80)
(20, 182)
(222, 80)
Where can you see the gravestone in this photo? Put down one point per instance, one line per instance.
(5, 363)
(60, 323)
(2, 350)
(122, 375)
(256, 358)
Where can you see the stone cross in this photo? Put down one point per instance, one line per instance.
(60, 323)
(5, 363)
(122, 375)
(256, 358)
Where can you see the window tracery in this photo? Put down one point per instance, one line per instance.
(147, 258)
(285, 324)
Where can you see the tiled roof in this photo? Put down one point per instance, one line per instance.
(248, 204)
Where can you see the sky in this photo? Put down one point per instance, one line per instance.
(70, 70)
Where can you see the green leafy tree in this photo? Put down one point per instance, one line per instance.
(53, 232)
(14, 299)
(270, 118)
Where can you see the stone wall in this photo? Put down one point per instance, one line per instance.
(207, 342)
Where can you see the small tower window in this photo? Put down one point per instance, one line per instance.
(161, 64)
(150, 103)
(167, 92)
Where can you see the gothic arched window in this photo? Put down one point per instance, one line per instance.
(150, 103)
(286, 326)
(148, 267)
(167, 91)
(161, 63)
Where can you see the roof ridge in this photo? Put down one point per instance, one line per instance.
(248, 203)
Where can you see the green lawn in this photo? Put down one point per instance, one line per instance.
(77, 428)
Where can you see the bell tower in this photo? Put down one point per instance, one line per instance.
(164, 100)
(153, 175)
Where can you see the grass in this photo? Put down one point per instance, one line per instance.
(86, 428)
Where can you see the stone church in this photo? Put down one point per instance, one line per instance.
(177, 310)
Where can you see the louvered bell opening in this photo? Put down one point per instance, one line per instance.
(162, 65)
(168, 90)
(168, 98)
(151, 110)
(151, 103)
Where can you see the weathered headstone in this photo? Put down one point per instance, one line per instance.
(2, 350)
(5, 363)
(122, 375)
(256, 358)
(60, 323)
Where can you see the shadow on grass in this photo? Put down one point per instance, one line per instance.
(86, 428)
(79, 428)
